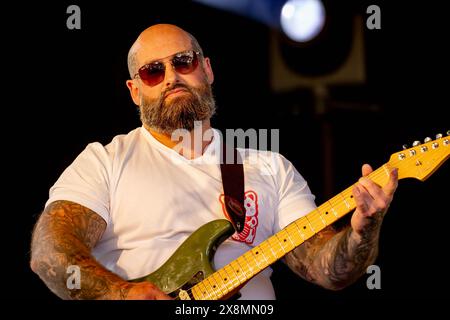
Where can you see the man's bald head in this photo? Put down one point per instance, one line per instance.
(155, 39)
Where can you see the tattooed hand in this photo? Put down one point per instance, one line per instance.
(372, 202)
(146, 291)
(333, 259)
(64, 236)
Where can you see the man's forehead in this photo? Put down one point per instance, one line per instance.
(159, 46)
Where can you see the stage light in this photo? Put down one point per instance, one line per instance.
(302, 20)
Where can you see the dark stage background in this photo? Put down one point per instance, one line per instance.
(68, 89)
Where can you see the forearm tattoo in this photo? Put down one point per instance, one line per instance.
(64, 235)
(334, 260)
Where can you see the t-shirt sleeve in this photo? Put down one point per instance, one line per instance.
(86, 181)
(294, 196)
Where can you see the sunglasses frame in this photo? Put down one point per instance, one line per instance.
(195, 55)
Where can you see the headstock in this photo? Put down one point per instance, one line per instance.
(421, 160)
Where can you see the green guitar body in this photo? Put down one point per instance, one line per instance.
(192, 261)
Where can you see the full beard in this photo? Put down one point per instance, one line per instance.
(197, 104)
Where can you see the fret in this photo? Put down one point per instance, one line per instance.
(251, 268)
(345, 201)
(267, 244)
(274, 255)
(246, 271)
(263, 252)
(350, 199)
(232, 275)
(225, 278)
(204, 289)
(260, 251)
(196, 293)
(294, 232)
(274, 244)
(213, 287)
(282, 237)
(327, 213)
(309, 224)
(312, 221)
(302, 226)
(320, 215)
(279, 240)
(211, 291)
(237, 269)
(387, 172)
(378, 177)
(218, 283)
(281, 244)
(256, 253)
(240, 270)
(289, 236)
(228, 280)
(299, 229)
(339, 206)
(333, 209)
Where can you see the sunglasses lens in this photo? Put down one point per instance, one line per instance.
(185, 63)
(152, 74)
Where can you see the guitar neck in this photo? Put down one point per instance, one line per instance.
(227, 279)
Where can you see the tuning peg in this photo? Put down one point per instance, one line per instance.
(439, 135)
(416, 143)
(405, 146)
(427, 139)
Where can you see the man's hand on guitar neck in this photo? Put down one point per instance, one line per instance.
(146, 291)
(372, 203)
(334, 259)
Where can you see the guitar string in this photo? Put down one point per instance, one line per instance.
(314, 215)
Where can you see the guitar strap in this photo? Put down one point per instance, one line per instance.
(232, 171)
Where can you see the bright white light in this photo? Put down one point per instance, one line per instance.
(302, 20)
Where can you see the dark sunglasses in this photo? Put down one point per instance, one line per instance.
(154, 72)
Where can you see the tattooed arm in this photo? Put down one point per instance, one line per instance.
(335, 260)
(64, 235)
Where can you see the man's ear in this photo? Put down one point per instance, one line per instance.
(134, 91)
(208, 71)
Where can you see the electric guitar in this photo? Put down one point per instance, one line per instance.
(188, 274)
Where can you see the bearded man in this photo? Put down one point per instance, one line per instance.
(119, 211)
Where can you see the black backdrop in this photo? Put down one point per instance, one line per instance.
(66, 88)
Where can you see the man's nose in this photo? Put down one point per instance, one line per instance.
(171, 76)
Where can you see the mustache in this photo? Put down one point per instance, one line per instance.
(176, 86)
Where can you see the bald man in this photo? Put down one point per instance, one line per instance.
(119, 211)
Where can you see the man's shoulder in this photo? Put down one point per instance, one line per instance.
(117, 145)
(124, 140)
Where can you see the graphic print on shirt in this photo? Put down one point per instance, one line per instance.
(248, 234)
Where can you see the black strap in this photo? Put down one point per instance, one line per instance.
(232, 171)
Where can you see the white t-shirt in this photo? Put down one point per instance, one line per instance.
(152, 199)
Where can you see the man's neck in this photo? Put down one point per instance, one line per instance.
(186, 148)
